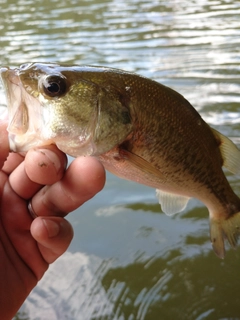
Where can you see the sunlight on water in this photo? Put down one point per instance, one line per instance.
(128, 260)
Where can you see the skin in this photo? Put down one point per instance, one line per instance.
(28, 246)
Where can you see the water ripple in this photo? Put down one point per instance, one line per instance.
(149, 296)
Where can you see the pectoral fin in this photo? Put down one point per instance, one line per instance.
(141, 164)
(230, 153)
(171, 203)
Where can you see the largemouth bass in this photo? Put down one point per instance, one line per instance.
(139, 129)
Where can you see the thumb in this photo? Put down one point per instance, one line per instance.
(4, 144)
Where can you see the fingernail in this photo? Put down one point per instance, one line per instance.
(52, 227)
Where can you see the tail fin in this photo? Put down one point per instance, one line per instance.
(224, 228)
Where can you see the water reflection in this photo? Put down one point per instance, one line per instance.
(82, 295)
(128, 260)
(151, 289)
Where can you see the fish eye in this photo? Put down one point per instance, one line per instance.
(54, 85)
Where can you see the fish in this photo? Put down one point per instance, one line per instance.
(139, 129)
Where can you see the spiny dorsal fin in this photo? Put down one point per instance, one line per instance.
(171, 203)
(230, 153)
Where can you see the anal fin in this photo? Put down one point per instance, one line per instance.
(171, 203)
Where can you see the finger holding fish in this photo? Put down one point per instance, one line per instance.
(49, 162)
(72, 190)
(41, 166)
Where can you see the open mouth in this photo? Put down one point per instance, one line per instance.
(23, 112)
(17, 109)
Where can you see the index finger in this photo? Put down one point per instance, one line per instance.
(82, 180)
(41, 167)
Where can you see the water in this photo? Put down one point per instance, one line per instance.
(128, 260)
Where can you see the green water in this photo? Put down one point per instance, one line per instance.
(128, 260)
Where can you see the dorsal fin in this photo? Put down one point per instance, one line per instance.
(229, 151)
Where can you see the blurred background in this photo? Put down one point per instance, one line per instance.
(128, 260)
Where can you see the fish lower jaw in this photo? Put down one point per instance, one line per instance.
(76, 148)
(20, 145)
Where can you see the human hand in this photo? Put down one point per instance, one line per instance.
(28, 246)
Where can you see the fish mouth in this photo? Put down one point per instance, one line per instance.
(17, 110)
(23, 133)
